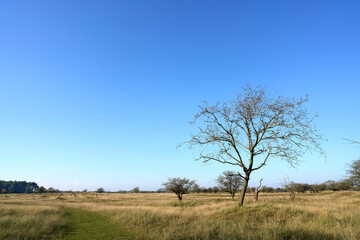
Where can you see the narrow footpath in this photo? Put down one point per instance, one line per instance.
(84, 224)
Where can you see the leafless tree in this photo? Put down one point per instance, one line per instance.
(252, 128)
(230, 182)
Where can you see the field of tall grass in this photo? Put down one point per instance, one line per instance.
(326, 215)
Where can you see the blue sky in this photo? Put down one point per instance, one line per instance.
(99, 93)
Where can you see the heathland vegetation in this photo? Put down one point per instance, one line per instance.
(90, 215)
(319, 211)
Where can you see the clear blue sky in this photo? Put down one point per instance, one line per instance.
(99, 93)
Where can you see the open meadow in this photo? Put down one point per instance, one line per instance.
(326, 215)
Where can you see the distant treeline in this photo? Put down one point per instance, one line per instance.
(32, 187)
(18, 187)
(329, 185)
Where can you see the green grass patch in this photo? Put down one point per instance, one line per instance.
(92, 225)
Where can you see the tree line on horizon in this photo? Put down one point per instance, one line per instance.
(18, 187)
(228, 182)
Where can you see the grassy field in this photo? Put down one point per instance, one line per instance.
(327, 215)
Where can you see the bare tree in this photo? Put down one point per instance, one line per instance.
(230, 182)
(252, 128)
(179, 186)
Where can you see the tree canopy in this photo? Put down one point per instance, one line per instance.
(179, 186)
(252, 128)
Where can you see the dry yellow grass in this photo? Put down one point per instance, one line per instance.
(328, 215)
(20, 219)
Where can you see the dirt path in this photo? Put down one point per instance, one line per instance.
(84, 224)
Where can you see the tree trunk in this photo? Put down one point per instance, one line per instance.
(292, 195)
(243, 190)
(256, 193)
(180, 197)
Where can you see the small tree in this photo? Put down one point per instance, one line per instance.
(135, 190)
(215, 189)
(100, 190)
(52, 190)
(267, 189)
(253, 128)
(300, 187)
(41, 189)
(196, 188)
(315, 188)
(179, 186)
(341, 185)
(230, 182)
(289, 186)
(354, 174)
